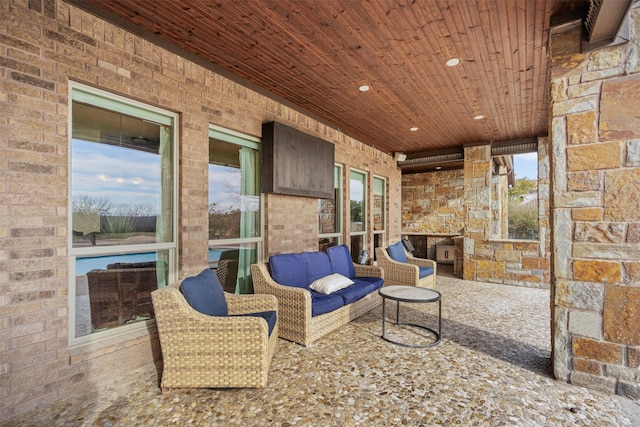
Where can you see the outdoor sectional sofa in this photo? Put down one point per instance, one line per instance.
(305, 314)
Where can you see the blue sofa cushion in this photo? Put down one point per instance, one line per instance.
(425, 271)
(340, 259)
(318, 266)
(289, 269)
(269, 316)
(397, 253)
(204, 293)
(321, 303)
(362, 286)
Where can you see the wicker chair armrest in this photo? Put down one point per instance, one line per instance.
(368, 271)
(176, 318)
(251, 303)
(422, 262)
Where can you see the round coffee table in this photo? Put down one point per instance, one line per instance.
(415, 295)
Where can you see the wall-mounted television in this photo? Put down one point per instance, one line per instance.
(296, 163)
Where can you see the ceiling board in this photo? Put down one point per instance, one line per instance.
(315, 54)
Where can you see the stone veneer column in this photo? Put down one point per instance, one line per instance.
(595, 164)
(477, 208)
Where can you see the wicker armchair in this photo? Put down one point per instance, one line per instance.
(201, 351)
(399, 273)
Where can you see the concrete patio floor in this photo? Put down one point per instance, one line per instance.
(492, 368)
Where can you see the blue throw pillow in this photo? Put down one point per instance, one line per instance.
(318, 265)
(397, 253)
(340, 259)
(204, 293)
(289, 269)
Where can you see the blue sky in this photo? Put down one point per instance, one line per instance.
(526, 165)
(124, 176)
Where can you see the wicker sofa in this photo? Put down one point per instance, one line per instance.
(304, 314)
(401, 268)
(219, 350)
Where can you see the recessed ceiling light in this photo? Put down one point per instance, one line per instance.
(453, 62)
(413, 129)
(478, 117)
(438, 167)
(364, 88)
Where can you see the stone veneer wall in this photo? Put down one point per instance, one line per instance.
(44, 44)
(432, 202)
(595, 138)
(512, 262)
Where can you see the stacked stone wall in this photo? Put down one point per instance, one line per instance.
(432, 202)
(45, 44)
(489, 258)
(595, 132)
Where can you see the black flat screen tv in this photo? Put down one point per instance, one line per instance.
(295, 163)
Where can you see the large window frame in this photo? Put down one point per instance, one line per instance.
(162, 249)
(243, 250)
(358, 229)
(379, 209)
(334, 237)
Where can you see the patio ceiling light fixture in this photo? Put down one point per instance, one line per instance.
(453, 62)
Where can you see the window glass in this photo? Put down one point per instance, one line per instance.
(234, 201)
(514, 196)
(330, 213)
(234, 209)
(379, 211)
(357, 213)
(122, 239)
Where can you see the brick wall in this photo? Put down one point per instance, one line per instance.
(41, 49)
(595, 138)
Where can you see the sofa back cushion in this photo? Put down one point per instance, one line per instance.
(397, 253)
(204, 293)
(318, 266)
(289, 269)
(340, 259)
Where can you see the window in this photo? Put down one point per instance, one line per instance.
(234, 208)
(379, 211)
(514, 196)
(357, 212)
(123, 186)
(330, 214)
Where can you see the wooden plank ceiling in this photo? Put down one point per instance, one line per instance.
(316, 53)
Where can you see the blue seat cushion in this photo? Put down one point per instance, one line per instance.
(397, 253)
(204, 293)
(289, 269)
(340, 259)
(318, 266)
(269, 316)
(321, 303)
(425, 271)
(361, 287)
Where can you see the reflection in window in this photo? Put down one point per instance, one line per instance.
(357, 212)
(122, 209)
(234, 209)
(330, 214)
(379, 211)
(514, 196)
